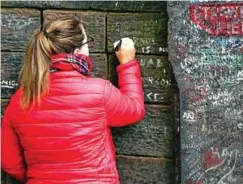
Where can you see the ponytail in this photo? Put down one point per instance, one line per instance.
(62, 35)
(34, 77)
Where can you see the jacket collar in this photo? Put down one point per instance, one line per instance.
(67, 62)
(67, 74)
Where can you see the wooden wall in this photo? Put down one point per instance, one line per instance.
(145, 151)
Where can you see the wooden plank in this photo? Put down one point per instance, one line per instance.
(100, 66)
(153, 136)
(13, 61)
(156, 77)
(11, 66)
(94, 24)
(148, 30)
(86, 5)
(17, 26)
(142, 170)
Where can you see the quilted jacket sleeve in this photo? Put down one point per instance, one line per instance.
(125, 105)
(12, 159)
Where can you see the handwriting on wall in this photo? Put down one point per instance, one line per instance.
(156, 78)
(137, 140)
(155, 74)
(8, 87)
(148, 30)
(8, 84)
(218, 19)
(16, 28)
(11, 66)
(209, 70)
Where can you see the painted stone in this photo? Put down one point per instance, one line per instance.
(208, 66)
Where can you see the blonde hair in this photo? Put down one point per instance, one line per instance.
(59, 36)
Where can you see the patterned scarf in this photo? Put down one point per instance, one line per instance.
(66, 62)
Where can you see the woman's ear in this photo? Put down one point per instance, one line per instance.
(77, 51)
(83, 50)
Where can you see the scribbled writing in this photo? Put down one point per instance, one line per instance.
(9, 84)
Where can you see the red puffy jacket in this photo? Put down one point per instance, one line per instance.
(67, 139)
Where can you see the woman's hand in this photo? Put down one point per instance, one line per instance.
(126, 52)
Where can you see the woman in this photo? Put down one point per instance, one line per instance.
(56, 128)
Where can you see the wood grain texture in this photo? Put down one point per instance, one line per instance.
(144, 170)
(156, 77)
(11, 66)
(153, 136)
(148, 30)
(94, 5)
(17, 27)
(100, 66)
(94, 24)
